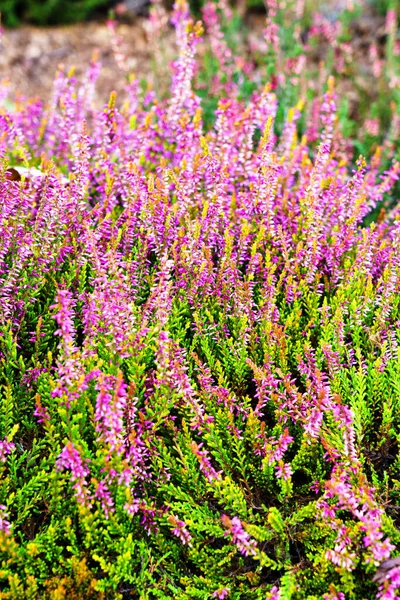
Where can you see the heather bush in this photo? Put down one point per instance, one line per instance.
(300, 49)
(199, 365)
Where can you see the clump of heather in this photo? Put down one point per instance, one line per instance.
(199, 347)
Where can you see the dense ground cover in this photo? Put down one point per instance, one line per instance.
(200, 375)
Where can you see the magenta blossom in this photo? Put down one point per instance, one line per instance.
(240, 537)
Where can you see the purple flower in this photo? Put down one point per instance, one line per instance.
(334, 595)
(102, 493)
(110, 410)
(283, 471)
(179, 529)
(41, 412)
(204, 462)
(274, 594)
(5, 525)
(69, 366)
(221, 593)
(70, 460)
(275, 449)
(240, 537)
(388, 590)
(6, 448)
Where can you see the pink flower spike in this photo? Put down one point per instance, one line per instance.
(221, 594)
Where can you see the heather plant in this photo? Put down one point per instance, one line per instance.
(199, 346)
(300, 49)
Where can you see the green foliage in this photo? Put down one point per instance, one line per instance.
(47, 12)
(221, 475)
(281, 518)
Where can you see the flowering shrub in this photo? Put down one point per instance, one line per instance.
(296, 55)
(199, 349)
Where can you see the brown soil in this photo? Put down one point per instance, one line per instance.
(30, 56)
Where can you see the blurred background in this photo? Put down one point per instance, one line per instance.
(58, 12)
(356, 41)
